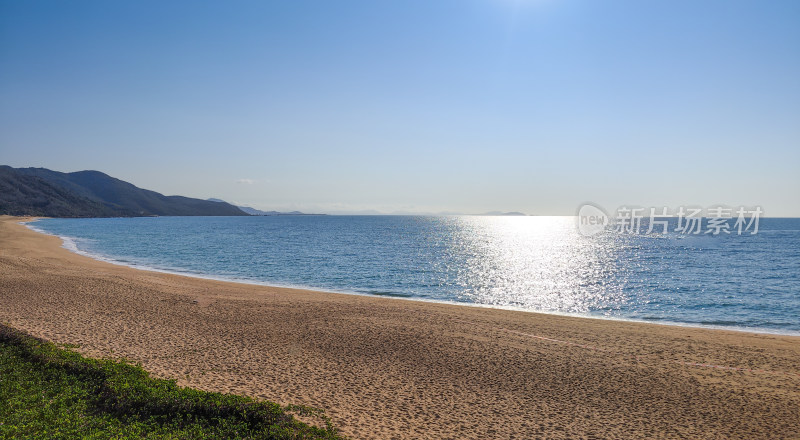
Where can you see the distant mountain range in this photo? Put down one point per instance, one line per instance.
(254, 211)
(48, 193)
(43, 192)
(509, 214)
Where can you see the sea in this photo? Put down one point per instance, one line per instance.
(543, 264)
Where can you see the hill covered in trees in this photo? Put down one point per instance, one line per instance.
(43, 192)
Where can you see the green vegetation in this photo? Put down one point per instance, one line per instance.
(21, 194)
(43, 192)
(51, 392)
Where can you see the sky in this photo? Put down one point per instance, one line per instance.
(413, 106)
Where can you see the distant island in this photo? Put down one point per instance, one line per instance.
(47, 193)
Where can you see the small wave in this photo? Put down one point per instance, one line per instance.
(390, 294)
(714, 322)
(69, 244)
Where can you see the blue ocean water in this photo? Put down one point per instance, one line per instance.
(532, 263)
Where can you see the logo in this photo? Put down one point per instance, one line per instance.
(591, 220)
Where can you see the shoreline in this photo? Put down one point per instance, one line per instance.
(385, 368)
(74, 249)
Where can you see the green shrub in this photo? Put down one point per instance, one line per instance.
(51, 392)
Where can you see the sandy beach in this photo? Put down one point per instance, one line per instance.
(385, 368)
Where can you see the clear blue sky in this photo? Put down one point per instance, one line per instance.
(412, 105)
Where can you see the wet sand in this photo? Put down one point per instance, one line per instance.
(385, 368)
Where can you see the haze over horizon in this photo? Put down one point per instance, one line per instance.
(412, 106)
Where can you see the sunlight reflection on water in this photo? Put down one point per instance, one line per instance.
(540, 263)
